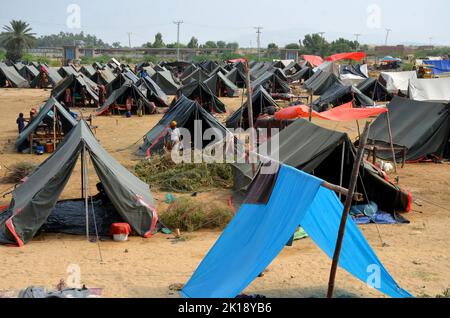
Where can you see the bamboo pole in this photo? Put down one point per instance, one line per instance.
(54, 128)
(342, 168)
(85, 185)
(391, 140)
(250, 113)
(348, 204)
(310, 105)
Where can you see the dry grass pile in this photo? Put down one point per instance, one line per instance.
(190, 215)
(19, 171)
(165, 175)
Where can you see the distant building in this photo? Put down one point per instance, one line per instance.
(390, 50)
(425, 48)
(289, 54)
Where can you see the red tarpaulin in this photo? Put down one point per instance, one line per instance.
(356, 56)
(314, 60)
(342, 113)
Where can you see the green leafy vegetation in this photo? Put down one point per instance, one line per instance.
(15, 38)
(66, 38)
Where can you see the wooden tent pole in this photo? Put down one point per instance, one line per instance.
(310, 105)
(54, 127)
(391, 140)
(342, 168)
(85, 178)
(250, 113)
(359, 130)
(348, 204)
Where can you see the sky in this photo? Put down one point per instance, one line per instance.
(283, 21)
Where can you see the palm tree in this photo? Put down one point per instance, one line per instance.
(16, 37)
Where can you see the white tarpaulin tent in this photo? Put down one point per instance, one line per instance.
(396, 81)
(436, 89)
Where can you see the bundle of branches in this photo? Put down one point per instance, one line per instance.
(189, 215)
(164, 174)
(19, 171)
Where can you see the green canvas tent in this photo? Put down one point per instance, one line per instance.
(67, 122)
(185, 112)
(260, 101)
(34, 201)
(10, 74)
(328, 155)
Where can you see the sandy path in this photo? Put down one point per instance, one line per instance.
(417, 255)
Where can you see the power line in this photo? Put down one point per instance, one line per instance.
(258, 39)
(178, 23)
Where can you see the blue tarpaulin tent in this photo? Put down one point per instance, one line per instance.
(259, 232)
(438, 67)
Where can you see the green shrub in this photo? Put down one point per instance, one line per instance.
(189, 215)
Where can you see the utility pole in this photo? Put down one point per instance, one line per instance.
(129, 38)
(178, 23)
(258, 39)
(387, 36)
(321, 45)
(431, 41)
(357, 35)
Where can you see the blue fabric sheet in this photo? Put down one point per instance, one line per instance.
(258, 233)
(439, 67)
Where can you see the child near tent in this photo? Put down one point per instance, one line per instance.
(129, 105)
(68, 98)
(20, 123)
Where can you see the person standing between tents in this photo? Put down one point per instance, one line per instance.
(101, 95)
(140, 108)
(68, 98)
(173, 137)
(20, 123)
(33, 114)
(44, 81)
(128, 106)
(84, 96)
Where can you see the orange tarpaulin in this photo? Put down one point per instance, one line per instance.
(342, 113)
(314, 60)
(356, 56)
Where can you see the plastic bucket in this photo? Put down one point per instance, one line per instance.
(49, 148)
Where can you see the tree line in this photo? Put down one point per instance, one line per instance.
(315, 44)
(158, 43)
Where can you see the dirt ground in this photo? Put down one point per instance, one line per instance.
(417, 255)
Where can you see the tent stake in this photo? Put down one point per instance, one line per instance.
(391, 140)
(348, 204)
(250, 114)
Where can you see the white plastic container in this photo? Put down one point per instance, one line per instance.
(120, 237)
